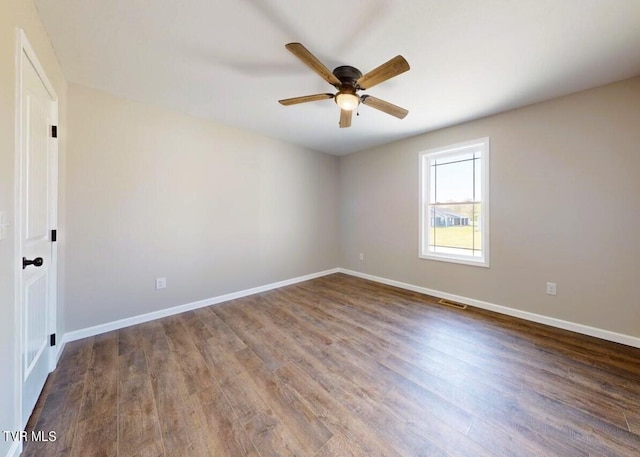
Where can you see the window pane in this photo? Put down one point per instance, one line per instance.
(453, 182)
(432, 184)
(455, 227)
(478, 179)
(453, 158)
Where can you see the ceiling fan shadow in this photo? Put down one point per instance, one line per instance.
(366, 21)
(245, 66)
(275, 17)
(362, 23)
(260, 69)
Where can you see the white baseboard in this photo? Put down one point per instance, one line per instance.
(122, 323)
(539, 318)
(58, 349)
(551, 321)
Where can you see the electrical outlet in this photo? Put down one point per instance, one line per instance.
(361, 256)
(161, 283)
(551, 288)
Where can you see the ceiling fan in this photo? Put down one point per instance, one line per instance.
(349, 81)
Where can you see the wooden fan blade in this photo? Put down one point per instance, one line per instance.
(387, 70)
(304, 99)
(385, 107)
(312, 62)
(345, 118)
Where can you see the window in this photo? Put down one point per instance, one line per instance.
(454, 203)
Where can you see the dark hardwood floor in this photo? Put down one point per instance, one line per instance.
(339, 366)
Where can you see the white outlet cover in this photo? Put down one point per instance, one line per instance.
(161, 283)
(551, 288)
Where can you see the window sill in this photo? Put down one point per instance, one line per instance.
(475, 262)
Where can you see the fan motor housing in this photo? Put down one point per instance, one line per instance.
(347, 75)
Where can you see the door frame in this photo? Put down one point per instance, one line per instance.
(23, 47)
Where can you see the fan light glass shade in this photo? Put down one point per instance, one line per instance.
(347, 102)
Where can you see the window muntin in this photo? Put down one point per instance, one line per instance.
(454, 206)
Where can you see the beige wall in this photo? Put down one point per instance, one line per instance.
(22, 14)
(153, 193)
(149, 192)
(565, 208)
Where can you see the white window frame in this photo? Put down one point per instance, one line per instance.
(425, 160)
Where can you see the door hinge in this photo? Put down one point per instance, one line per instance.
(54, 236)
(52, 339)
(54, 131)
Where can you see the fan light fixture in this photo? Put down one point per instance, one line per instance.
(347, 102)
(348, 81)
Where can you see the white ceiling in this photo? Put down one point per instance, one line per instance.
(225, 59)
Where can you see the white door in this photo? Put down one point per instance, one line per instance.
(36, 212)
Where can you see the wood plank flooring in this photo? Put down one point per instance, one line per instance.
(339, 366)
